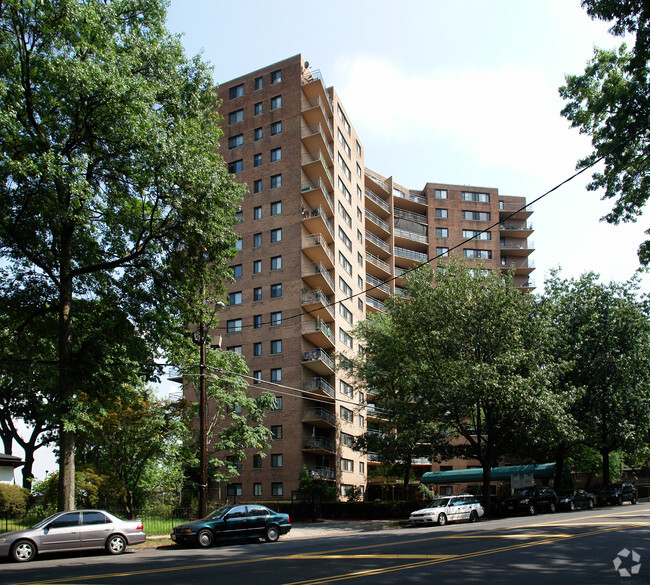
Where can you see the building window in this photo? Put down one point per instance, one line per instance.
(358, 170)
(276, 318)
(239, 217)
(358, 148)
(343, 189)
(442, 251)
(258, 83)
(257, 212)
(276, 76)
(257, 160)
(278, 403)
(476, 215)
(347, 440)
(236, 91)
(441, 213)
(276, 489)
(257, 293)
(257, 461)
(234, 489)
(343, 119)
(257, 186)
(345, 313)
(344, 238)
(235, 298)
(257, 240)
(276, 128)
(257, 349)
(360, 259)
(276, 181)
(478, 197)
(258, 133)
(345, 388)
(233, 325)
(236, 166)
(345, 263)
(257, 490)
(236, 141)
(276, 432)
(345, 167)
(257, 267)
(276, 460)
(347, 465)
(343, 142)
(441, 193)
(480, 254)
(346, 414)
(442, 233)
(276, 290)
(276, 346)
(345, 338)
(276, 262)
(276, 207)
(239, 244)
(237, 271)
(258, 108)
(235, 349)
(276, 102)
(276, 235)
(236, 116)
(257, 321)
(477, 235)
(345, 287)
(276, 154)
(257, 376)
(276, 374)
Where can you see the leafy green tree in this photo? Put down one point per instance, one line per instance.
(611, 103)
(109, 179)
(603, 332)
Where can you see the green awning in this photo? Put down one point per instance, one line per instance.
(498, 473)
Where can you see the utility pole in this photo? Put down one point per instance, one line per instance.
(203, 425)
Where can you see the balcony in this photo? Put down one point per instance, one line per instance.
(317, 110)
(517, 247)
(513, 209)
(314, 86)
(420, 461)
(377, 267)
(409, 201)
(316, 249)
(520, 229)
(326, 473)
(520, 265)
(378, 181)
(373, 458)
(316, 304)
(378, 201)
(315, 220)
(318, 360)
(318, 386)
(406, 258)
(377, 225)
(317, 276)
(374, 305)
(377, 413)
(318, 445)
(318, 332)
(416, 217)
(315, 138)
(319, 417)
(314, 192)
(378, 287)
(376, 245)
(315, 167)
(411, 236)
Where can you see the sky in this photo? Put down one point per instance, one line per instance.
(462, 92)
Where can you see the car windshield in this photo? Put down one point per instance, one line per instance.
(565, 493)
(525, 493)
(218, 512)
(44, 522)
(439, 503)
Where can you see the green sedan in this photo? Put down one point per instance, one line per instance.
(233, 523)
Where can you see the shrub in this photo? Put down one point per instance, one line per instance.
(13, 499)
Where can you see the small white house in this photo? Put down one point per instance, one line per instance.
(7, 465)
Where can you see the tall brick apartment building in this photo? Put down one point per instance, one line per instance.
(324, 241)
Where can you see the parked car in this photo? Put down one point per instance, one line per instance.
(449, 509)
(617, 493)
(69, 531)
(531, 500)
(573, 499)
(232, 523)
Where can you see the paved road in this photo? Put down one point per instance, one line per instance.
(572, 548)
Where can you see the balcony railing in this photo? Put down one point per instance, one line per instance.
(378, 200)
(518, 245)
(317, 354)
(317, 326)
(307, 131)
(411, 236)
(515, 206)
(378, 262)
(321, 473)
(416, 217)
(377, 241)
(314, 297)
(380, 222)
(410, 196)
(514, 226)
(317, 384)
(376, 283)
(318, 211)
(318, 443)
(317, 102)
(376, 303)
(410, 254)
(317, 156)
(317, 240)
(321, 414)
(317, 268)
(379, 182)
(317, 183)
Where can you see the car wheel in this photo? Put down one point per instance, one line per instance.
(23, 551)
(272, 533)
(633, 500)
(590, 505)
(551, 508)
(442, 519)
(116, 544)
(619, 501)
(473, 516)
(204, 538)
(572, 506)
(531, 510)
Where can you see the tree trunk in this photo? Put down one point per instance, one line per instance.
(605, 454)
(559, 465)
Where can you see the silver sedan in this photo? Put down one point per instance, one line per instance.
(71, 531)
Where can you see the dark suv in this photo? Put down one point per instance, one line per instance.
(531, 500)
(616, 494)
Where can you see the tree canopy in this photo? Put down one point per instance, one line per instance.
(611, 103)
(110, 185)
